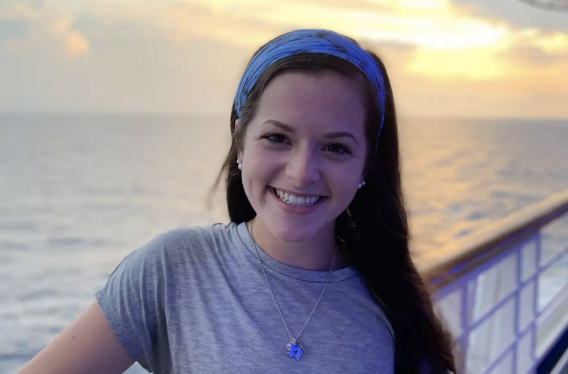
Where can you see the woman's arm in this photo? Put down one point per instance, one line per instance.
(86, 346)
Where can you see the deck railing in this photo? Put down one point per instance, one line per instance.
(502, 291)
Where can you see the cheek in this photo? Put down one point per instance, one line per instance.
(344, 182)
(260, 169)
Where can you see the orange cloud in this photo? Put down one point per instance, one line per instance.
(449, 48)
(430, 25)
(76, 44)
(196, 20)
(47, 27)
(442, 59)
(19, 11)
(468, 64)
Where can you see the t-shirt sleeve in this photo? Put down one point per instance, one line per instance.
(132, 301)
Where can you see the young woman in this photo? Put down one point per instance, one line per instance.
(313, 273)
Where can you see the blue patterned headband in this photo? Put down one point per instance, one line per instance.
(312, 41)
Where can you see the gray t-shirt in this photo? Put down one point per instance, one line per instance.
(194, 300)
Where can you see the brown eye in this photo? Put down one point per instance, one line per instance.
(276, 138)
(338, 148)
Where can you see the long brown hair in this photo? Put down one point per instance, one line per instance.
(373, 229)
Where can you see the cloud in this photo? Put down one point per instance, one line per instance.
(516, 13)
(532, 56)
(349, 6)
(517, 96)
(402, 21)
(507, 53)
(41, 28)
(552, 43)
(187, 56)
(132, 66)
(12, 29)
(77, 45)
(523, 87)
(9, 10)
(190, 20)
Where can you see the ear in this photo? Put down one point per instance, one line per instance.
(237, 122)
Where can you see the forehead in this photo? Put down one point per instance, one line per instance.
(327, 101)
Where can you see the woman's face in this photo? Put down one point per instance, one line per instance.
(306, 140)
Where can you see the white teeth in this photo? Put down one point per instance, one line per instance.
(296, 200)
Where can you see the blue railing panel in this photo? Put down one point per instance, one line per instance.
(452, 301)
(529, 261)
(551, 323)
(505, 365)
(525, 357)
(503, 292)
(552, 280)
(526, 306)
(494, 285)
(554, 239)
(506, 313)
(488, 341)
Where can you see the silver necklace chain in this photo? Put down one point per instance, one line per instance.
(292, 340)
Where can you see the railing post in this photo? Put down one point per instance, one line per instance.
(518, 306)
(467, 304)
(535, 300)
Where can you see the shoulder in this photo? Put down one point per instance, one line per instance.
(190, 244)
(191, 238)
(173, 252)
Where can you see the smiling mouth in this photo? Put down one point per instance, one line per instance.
(295, 200)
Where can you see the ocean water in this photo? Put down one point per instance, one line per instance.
(78, 193)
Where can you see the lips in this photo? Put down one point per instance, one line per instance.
(296, 209)
(294, 200)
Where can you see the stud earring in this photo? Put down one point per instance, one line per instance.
(240, 164)
(360, 185)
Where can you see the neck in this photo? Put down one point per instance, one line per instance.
(315, 253)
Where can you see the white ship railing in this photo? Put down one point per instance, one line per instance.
(502, 291)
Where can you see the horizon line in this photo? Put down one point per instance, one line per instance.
(219, 115)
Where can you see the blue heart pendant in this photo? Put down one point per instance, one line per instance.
(294, 349)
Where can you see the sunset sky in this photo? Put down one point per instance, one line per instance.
(446, 58)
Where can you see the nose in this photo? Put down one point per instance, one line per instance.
(303, 167)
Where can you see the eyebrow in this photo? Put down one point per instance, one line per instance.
(331, 135)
